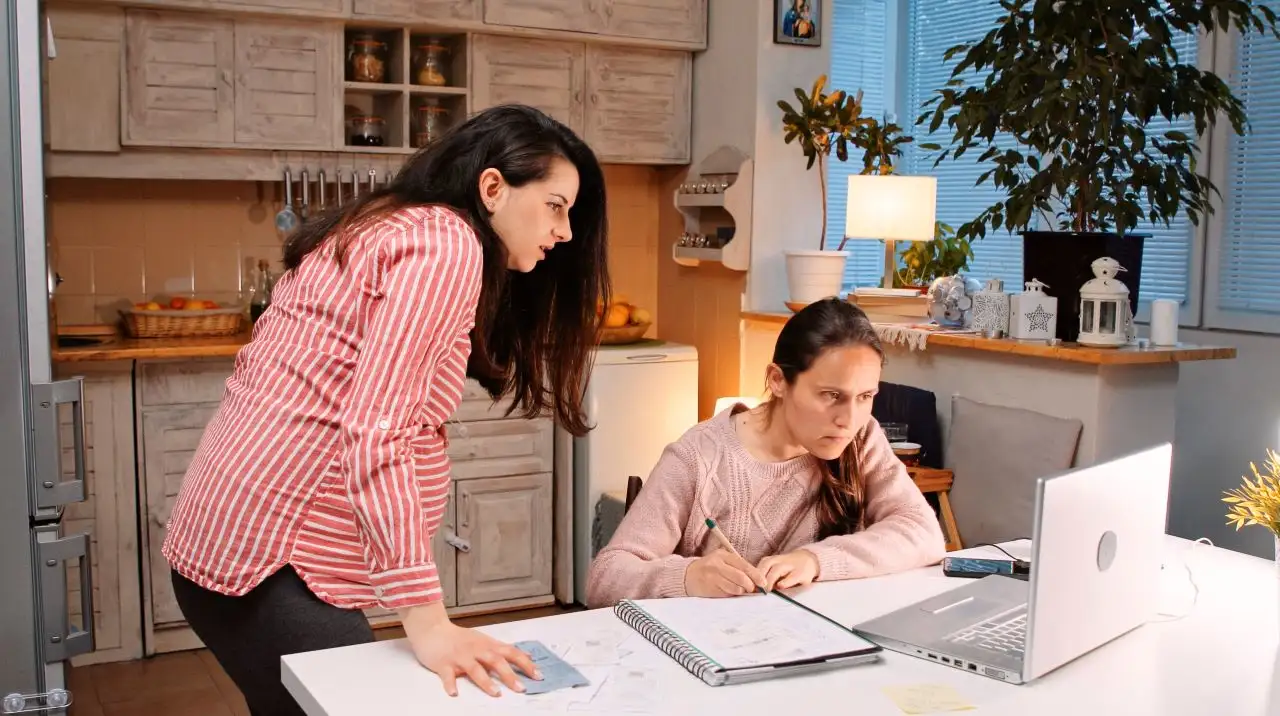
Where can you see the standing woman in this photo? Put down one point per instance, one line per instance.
(319, 483)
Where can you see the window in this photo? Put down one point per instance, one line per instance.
(932, 27)
(860, 51)
(1243, 263)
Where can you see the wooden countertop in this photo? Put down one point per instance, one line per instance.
(1068, 352)
(124, 348)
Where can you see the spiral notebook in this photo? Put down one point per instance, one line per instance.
(743, 639)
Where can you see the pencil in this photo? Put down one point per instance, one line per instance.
(724, 542)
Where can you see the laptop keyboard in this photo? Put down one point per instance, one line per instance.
(1005, 633)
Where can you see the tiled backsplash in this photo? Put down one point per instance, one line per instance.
(116, 242)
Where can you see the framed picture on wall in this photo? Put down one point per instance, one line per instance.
(797, 22)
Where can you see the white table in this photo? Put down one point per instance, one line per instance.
(1222, 657)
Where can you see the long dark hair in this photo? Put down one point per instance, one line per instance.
(818, 327)
(533, 331)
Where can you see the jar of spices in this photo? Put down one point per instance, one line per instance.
(431, 64)
(366, 131)
(367, 59)
(429, 121)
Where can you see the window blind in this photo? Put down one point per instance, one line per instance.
(860, 52)
(1249, 252)
(934, 26)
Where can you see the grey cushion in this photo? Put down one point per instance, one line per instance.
(996, 453)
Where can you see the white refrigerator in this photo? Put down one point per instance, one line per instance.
(640, 398)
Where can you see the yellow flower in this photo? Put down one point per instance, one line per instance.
(1257, 502)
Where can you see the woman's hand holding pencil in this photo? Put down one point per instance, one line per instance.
(723, 573)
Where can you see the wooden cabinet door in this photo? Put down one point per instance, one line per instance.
(180, 89)
(109, 514)
(675, 20)
(82, 96)
(543, 74)
(169, 440)
(285, 90)
(573, 15)
(418, 10)
(507, 520)
(638, 104)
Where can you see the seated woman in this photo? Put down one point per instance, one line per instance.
(805, 486)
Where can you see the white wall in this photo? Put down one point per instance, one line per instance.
(788, 205)
(738, 81)
(1228, 415)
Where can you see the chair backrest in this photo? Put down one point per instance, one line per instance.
(634, 483)
(919, 410)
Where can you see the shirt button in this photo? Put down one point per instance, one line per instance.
(384, 424)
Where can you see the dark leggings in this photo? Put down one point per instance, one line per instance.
(249, 634)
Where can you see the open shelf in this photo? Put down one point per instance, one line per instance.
(400, 82)
(718, 214)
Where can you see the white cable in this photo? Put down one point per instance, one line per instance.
(1195, 595)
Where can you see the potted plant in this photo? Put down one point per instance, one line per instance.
(1258, 502)
(1069, 103)
(924, 261)
(823, 123)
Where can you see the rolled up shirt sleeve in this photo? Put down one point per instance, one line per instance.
(425, 284)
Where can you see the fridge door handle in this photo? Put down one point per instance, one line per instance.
(50, 489)
(60, 640)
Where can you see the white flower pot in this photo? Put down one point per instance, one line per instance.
(815, 275)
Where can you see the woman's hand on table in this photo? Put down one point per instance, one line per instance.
(793, 569)
(451, 651)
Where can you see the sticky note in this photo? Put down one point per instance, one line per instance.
(556, 672)
(927, 698)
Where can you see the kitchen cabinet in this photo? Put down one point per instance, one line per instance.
(636, 106)
(419, 10)
(108, 513)
(82, 84)
(572, 15)
(209, 81)
(666, 20)
(179, 85)
(494, 550)
(544, 74)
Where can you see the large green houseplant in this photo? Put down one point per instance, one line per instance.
(1070, 105)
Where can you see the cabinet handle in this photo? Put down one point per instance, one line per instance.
(464, 509)
(455, 541)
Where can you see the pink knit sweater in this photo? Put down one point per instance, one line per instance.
(764, 508)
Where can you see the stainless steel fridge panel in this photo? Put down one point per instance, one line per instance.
(27, 36)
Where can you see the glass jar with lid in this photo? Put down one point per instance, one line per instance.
(431, 63)
(366, 58)
(430, 120)
(366, 130)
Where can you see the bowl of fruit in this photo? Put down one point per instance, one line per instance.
(623, 322)
(182, 317)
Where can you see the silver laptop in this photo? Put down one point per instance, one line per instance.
(1097, 545)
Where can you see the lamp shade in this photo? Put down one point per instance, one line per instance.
(892, 207)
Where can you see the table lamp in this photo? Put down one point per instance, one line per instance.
(891, 207)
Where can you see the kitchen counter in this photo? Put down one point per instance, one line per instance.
(1068, 352)
(125, 348)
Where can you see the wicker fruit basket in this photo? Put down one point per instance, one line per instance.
(167, 323)
(622, 335)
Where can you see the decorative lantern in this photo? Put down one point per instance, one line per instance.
(1106, 320)
(991, 308)
(1033, 314)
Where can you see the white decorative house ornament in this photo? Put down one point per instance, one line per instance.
(1033, 314)
(1106, 320)
(991, 308)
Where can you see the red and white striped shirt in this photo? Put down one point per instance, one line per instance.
(326, 452)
